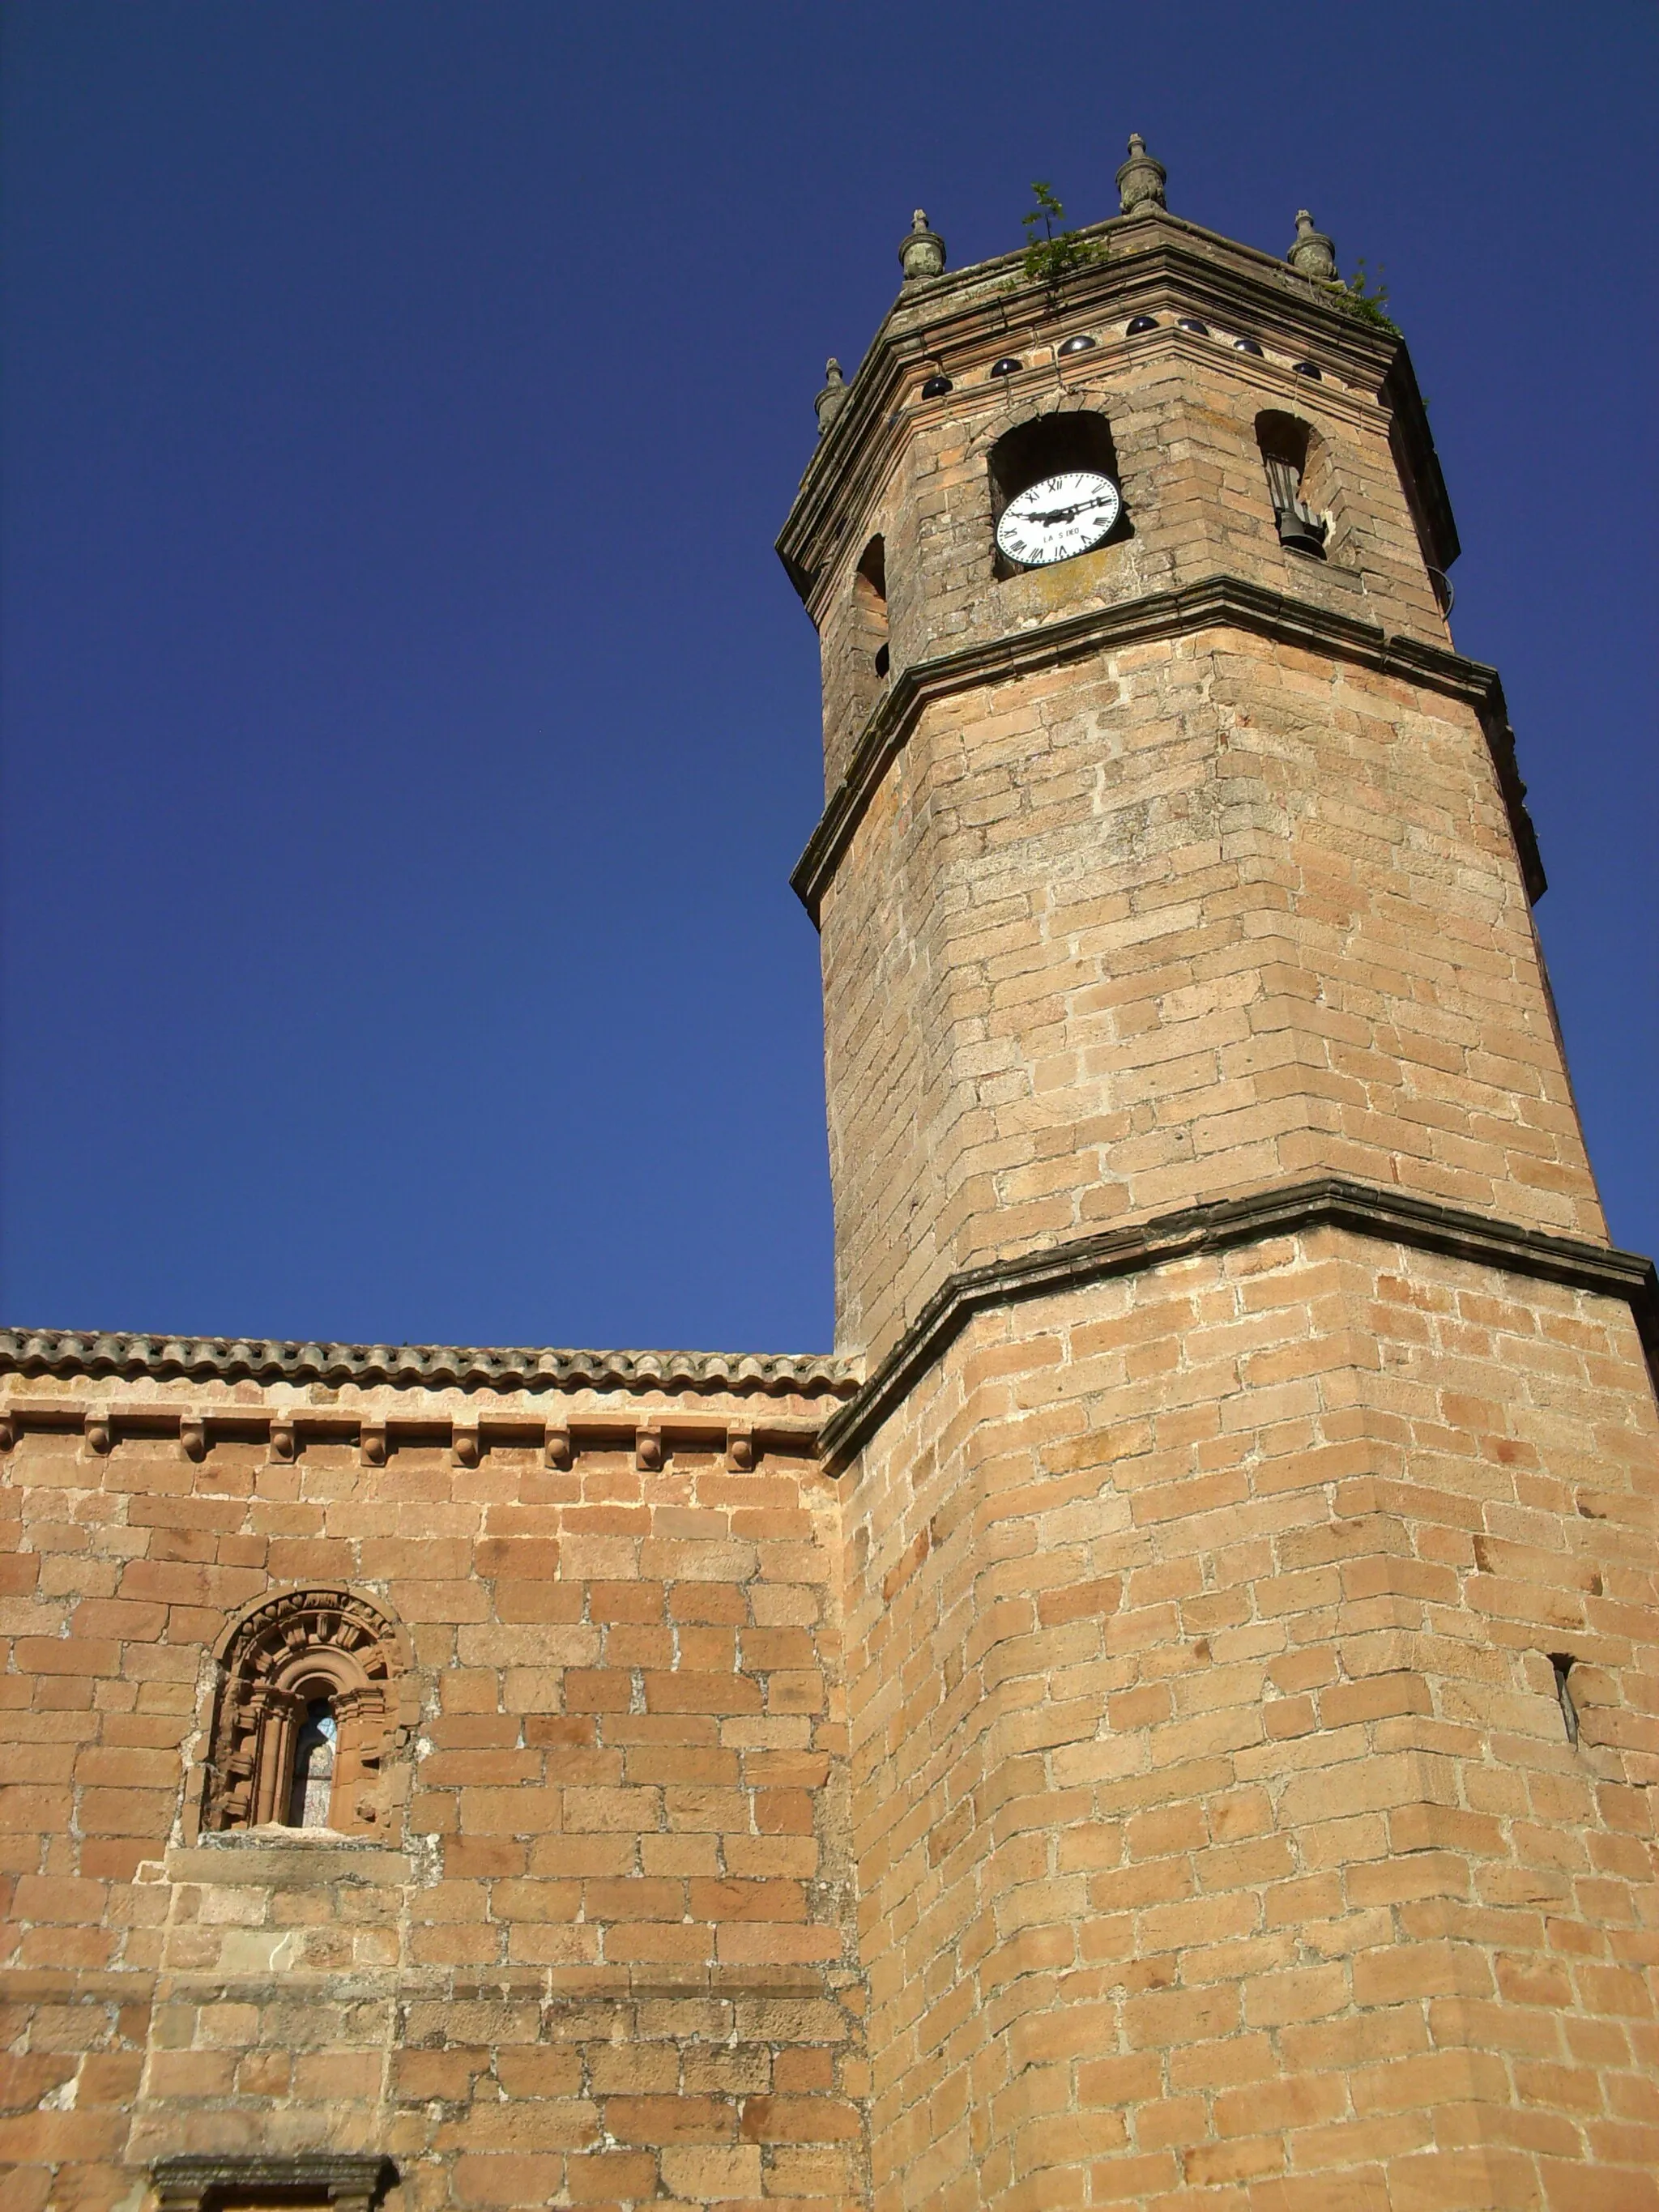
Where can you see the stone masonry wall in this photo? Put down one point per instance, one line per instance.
(1220, 1841)
(604, 1951)
(1202, 916)
(1182, 412)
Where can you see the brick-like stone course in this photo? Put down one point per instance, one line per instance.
(1143, 1776)
(604, 1951)
(1219, 1836)
(1217, 1826)
(1212, 916)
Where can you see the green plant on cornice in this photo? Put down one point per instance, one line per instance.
(1051, 259)
(1366, 300)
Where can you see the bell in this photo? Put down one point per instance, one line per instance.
(1301, 532)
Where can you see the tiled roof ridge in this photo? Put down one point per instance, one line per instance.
(262, 1359)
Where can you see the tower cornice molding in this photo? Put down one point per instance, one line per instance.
(1217, 602)
(1193, 1231)
(1151, 260)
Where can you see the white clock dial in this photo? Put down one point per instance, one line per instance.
(1059, 517)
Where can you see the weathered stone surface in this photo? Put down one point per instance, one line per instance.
(1166, 1714)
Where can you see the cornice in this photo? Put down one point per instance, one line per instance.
(1213, 602)
(428, 1366)
(1149, 259)
(1328, 1202)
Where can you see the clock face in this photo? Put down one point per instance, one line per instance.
(1059, 517)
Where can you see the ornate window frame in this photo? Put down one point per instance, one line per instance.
(287, 1649)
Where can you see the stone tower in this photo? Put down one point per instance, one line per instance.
(1247, 1509)
(1165, 1716)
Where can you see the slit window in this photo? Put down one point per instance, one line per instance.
(870, 600)
(311, 1793)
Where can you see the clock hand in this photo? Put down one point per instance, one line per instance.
(1064, 514)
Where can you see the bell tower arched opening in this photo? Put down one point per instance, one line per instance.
(1298, 467)
(870, 607)
(1050, 446)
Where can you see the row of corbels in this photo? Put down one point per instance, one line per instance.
(651, 1442)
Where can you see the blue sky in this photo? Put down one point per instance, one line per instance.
(409, 729)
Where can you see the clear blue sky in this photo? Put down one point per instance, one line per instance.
(408, 728)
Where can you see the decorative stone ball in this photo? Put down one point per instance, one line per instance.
(922, 251)
(833, 397)
(1312, 253)
(1140, 180)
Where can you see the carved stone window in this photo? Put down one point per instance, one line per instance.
(305, 1715)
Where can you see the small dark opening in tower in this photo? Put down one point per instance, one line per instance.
(1286, 449)
(870, 599)
(311, 1791)
(1049, 446)
(1562, 1662)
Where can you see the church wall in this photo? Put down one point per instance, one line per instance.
(1220, 1837)
(1198, 916)
(599, 1945)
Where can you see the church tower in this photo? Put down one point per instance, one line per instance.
(1248, 1535)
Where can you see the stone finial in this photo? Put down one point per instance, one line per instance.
(1311, 253)
(922, 251)
(834, 395)
(1140, 180)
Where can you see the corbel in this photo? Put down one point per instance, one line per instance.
(8, 1429)
(648, 1449)
(284, 1443)
(101, 1431)
(193, 1436)
(739, 1451)
(372, 1443)
(466, 1445)
(555, 1447)
(179, 2193)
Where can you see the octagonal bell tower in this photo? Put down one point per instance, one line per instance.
(1248, 1607)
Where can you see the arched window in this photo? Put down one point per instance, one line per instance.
(299, 1736)
(311, 1793)
(1293, 455)
(869, 606)
(1050, 446)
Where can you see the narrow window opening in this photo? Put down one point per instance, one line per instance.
(870, 608)
(1562, 1662)
(301, 1729)
(311, 1791)
(1287, 448)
